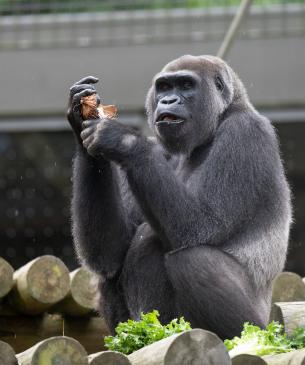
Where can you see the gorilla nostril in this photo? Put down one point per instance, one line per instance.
(170, 100)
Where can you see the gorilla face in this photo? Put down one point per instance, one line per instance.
(176, 98)
(186, 101)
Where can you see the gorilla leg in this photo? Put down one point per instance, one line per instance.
(145, 281)
(112, 304)
(213, 291)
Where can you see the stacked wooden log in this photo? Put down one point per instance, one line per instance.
(48, 316)
(42, 299)
(288, 308)
(197, 347)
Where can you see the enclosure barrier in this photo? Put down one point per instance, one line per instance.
(47, 315)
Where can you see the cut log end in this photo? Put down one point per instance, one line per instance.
(6, 277)
(48, 279)
(7, 354)
(288, 287)
(84, 288)
(108, 358)
(39, 284)
(55, 350)
(197, 347)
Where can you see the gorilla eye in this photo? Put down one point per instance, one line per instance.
(186, 84)
(219, 83)
(162, 86)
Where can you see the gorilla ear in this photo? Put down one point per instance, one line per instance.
(219, 83)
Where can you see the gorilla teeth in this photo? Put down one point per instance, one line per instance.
(168, 117)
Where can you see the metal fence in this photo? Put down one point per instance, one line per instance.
(9, 7)
(24, 28)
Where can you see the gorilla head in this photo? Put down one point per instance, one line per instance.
(188, 99)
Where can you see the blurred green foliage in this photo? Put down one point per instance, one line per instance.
(15, 7)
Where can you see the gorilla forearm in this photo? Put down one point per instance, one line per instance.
(100, 231)
(178, 216)
(218, 200)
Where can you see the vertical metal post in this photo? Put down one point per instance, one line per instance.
(233, 29)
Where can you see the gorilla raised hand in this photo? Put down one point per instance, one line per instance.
(193, 223)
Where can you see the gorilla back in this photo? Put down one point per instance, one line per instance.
(194, 222)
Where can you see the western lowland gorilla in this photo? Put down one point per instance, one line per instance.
(194, 222)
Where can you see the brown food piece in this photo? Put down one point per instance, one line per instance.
(90, 110)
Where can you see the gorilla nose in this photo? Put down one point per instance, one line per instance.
(167, 100)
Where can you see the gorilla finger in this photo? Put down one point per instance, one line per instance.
(77, 97)
(90, 123)
(87, 80)
(88, 141)
(77, 88)
(87, 132)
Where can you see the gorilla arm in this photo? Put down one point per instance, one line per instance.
(101, 230)
(223, 191)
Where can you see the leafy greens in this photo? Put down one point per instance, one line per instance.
(272, 340)
(133, 335)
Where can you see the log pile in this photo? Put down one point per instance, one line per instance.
(48, 316)
(42, 300)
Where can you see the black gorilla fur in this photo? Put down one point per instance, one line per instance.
(194, 222)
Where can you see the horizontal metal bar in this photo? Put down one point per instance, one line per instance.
(133, 16)
(136, 120)
(55, 124)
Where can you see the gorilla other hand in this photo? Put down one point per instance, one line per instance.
(108, 138)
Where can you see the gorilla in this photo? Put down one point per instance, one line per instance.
(193, 222)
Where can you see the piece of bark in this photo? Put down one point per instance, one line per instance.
(23, 332)
(91, 110)
(39, 284)
(196, 347)
(7, 354)
(108, 358)
(55, 350)
(6, 277)
(290, 358)
(81, 299)
(290, 314)
(288, 287)
(246, 359)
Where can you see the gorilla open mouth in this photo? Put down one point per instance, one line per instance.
(168, 118)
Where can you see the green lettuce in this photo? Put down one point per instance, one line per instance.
(260, 342)
(133, 335)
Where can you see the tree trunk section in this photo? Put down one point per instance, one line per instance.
(7, 354)
(108, 358)
(55, 350)
(39, 284)
(6, 277)
(81, 299)
(290, 314)
(288, 287)
(291, 358)
(196, 347)
(246, 359)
